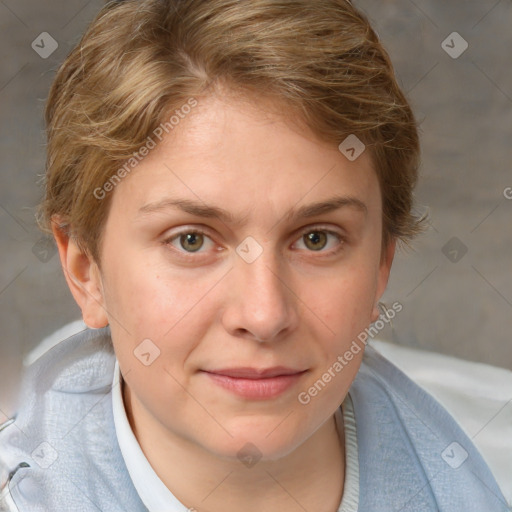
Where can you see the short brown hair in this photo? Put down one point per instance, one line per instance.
(140, 60)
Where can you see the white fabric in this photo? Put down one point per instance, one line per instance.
(6, 502)
(477, 395)
(350, 500)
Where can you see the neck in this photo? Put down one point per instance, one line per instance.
(309, 478)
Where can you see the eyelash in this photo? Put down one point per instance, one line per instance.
(198, 231)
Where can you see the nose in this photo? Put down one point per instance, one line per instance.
(262, 304)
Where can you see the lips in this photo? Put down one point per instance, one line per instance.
(256, 383)
(253, 373)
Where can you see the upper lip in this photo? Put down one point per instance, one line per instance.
(255, 373)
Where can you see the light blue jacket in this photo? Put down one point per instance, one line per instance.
(61, 453)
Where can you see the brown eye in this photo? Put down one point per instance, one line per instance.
(190, 244)
(192, 241)
(323, 241)
(315, 240)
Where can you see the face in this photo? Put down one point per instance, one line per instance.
(247, 255)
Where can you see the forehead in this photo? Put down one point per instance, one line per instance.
(247, 157)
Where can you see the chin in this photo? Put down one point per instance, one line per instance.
(252, 442)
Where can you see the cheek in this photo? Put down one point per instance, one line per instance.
(345, 305)
(169, 308)
(147, 298)
(346, 302)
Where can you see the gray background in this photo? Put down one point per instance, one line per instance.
(455, 302)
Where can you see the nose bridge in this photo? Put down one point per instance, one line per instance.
(263, 279)
(263, 303)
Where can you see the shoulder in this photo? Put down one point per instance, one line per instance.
(60, 403)
(78, 366)
(82, 362)
(477, 396)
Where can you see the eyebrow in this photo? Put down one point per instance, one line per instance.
(200, 209)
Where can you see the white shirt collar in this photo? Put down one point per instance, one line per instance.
(158, 498)
(152, 491)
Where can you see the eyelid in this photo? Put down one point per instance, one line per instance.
(342, 239)
(298, 235)
(196, 230)
(319, 227)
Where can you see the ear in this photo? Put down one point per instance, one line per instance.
(83, 277)
(386, 261)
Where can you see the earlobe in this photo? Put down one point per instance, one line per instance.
(83, 277)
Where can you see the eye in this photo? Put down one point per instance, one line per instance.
(192, 241)
(318, 239)
(189, 241)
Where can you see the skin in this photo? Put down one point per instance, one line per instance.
(207, 309)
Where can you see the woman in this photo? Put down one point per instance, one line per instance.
(227, 182)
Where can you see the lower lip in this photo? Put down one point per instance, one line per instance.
(256, 389)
